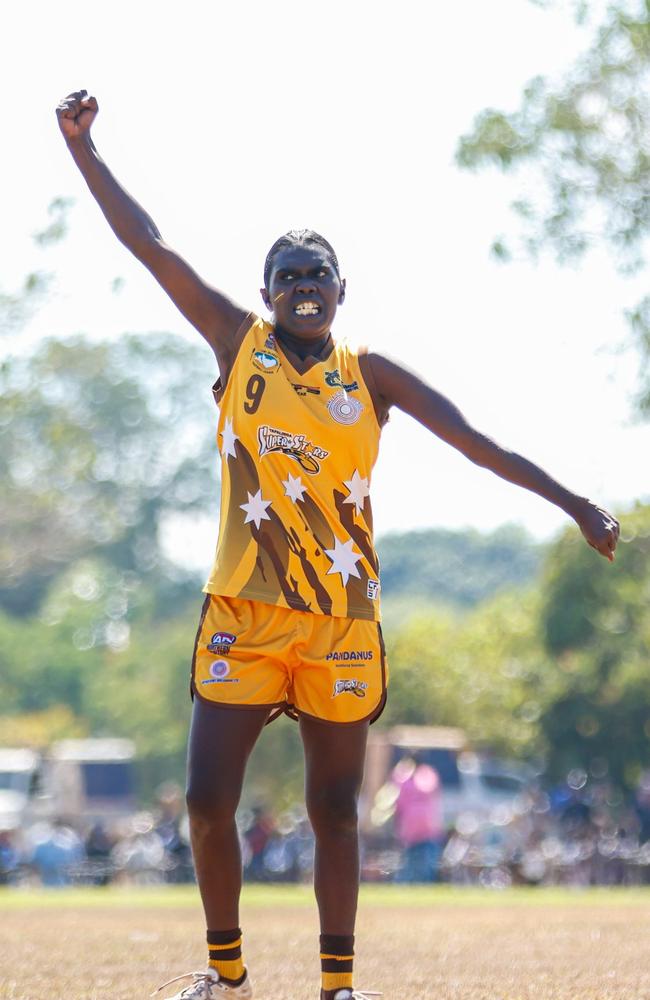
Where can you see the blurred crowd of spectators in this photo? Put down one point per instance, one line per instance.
(581, 833)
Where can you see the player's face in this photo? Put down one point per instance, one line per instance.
(304, 291)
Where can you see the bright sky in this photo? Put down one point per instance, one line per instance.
(233, 124)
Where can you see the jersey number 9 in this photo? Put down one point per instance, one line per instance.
(254, 392)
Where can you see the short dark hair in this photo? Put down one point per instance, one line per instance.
(299, 238)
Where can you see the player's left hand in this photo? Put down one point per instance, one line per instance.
(599, 527)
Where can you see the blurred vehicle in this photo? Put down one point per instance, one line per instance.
(85, 781)
(471, 782)
(19, 775)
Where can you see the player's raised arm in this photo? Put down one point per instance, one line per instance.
(399, 387)
(213, 314)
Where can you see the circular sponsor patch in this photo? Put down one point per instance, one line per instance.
(344, 409)
(219, 669)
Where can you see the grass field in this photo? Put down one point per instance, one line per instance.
(413, 944)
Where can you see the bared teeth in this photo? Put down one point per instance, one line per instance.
(307, 309)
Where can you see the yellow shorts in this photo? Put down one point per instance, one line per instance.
(253, 654)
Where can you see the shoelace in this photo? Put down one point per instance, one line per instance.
(198, 977)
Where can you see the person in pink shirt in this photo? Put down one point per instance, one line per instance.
(418, 819)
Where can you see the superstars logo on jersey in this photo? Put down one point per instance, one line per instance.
(296, 446)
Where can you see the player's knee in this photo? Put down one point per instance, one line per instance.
(210, 805)
(333, 809)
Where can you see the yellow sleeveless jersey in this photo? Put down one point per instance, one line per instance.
(297, 452)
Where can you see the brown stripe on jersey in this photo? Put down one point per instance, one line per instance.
(243, 481)
(265, 577)
(317, 526)
(356, 531)
(271, 536)
(311, 576)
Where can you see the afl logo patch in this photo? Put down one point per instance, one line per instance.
(344, 409)
(266, 361)
(221, 642)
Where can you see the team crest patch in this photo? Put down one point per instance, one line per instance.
(266, 361)
(344, 409)
(334, 379)
(296, 446)
(221, 642)
(350, 686)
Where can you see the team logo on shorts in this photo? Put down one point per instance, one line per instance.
(266, 361)
(221, 642)
(344, 409)
(350, 685)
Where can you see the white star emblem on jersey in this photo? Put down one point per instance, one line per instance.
(293, 488)
(344, 560)
(256, 509)
(358, 488)
(229, 438)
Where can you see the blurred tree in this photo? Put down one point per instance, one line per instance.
(596, 625)
(486, 672)
(98, 443)
(17, 307)
(586, 139)
(459, 568)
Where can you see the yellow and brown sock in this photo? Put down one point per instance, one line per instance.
(336, 959)
(224, 955)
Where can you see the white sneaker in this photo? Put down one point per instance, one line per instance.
(346, 994)
(208, 986)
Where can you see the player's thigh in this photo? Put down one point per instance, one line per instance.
(220, 742)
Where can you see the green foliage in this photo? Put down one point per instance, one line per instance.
(596, 623)
(587, 138)
(98, 443)
(17, 307)
(456, 568)
(585, 141)
(485, 672)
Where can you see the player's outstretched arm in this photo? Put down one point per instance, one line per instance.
(213, 314)
(399, 387)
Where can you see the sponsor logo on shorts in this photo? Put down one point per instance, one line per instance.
(350, 686)
(334, 379)
(372, 590)
(343, 408)
(221, 642)
(266, 361)
(352, 655)
(219, 671)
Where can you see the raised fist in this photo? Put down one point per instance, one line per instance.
(76, 113)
